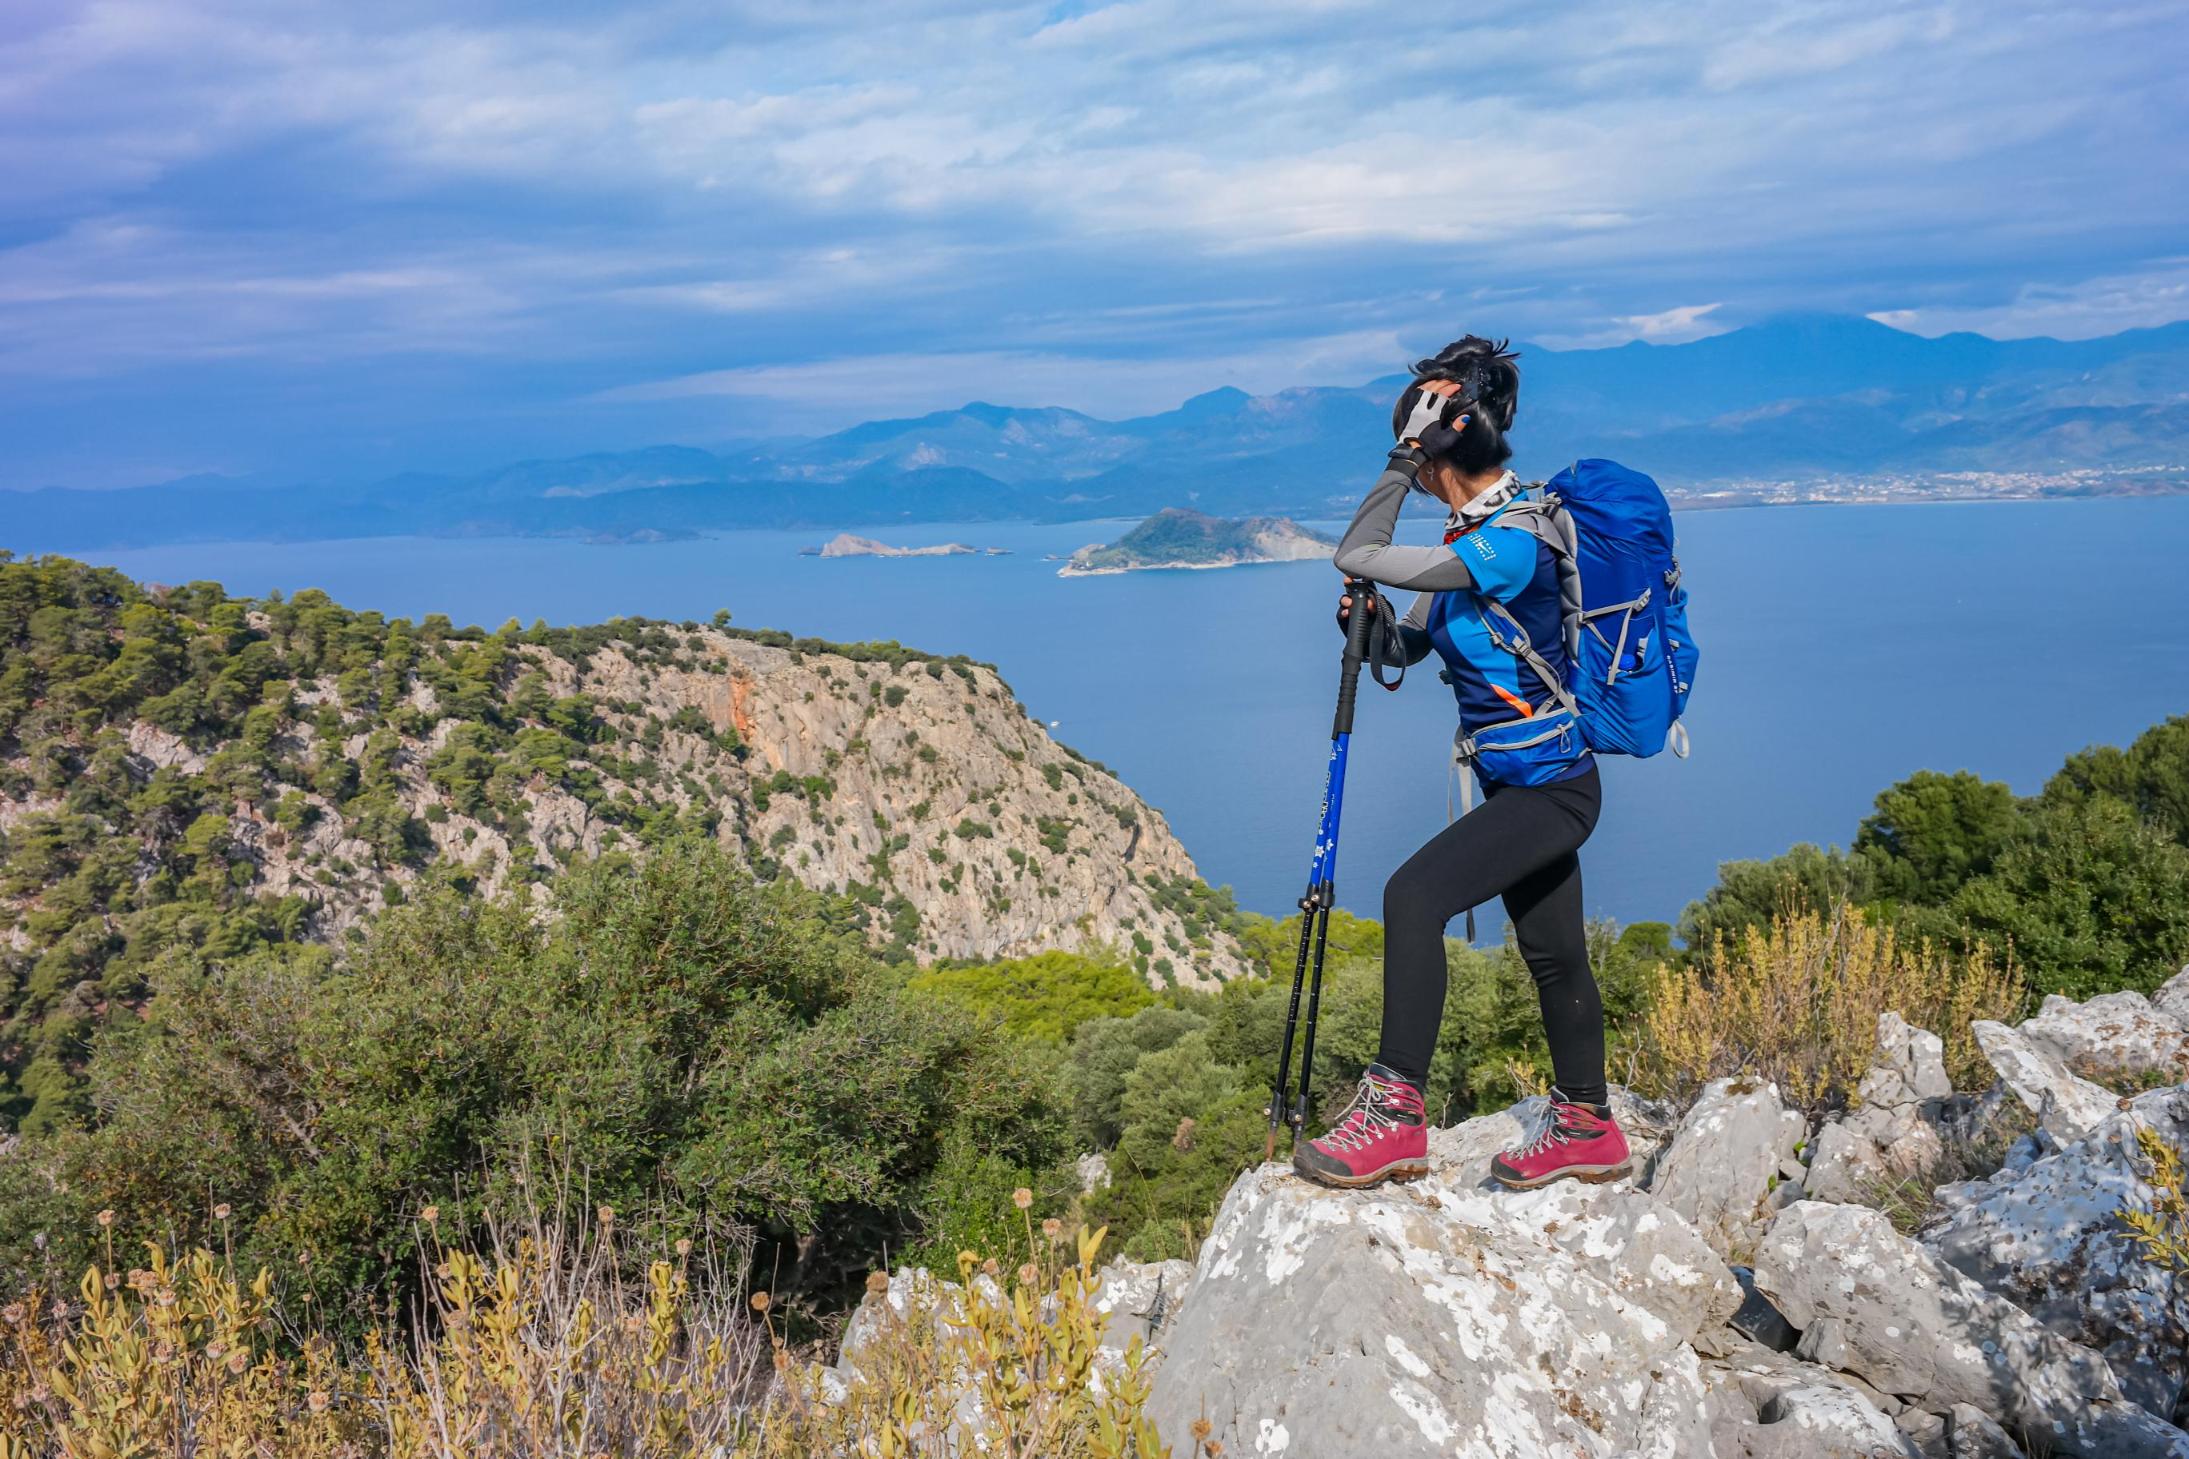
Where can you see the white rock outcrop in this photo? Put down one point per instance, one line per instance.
(2049, 1238)
(2172, 998)
(2114, 1038)
(1142, 1300)
(2066, 1105)
(1735, 1143)
(1453, 1317)
(1825, 1421)
(1892, 1131)
(1876, 1304)
(1438, 1318)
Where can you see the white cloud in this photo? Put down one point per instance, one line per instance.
(1672, 326)
(911, 384)
(1822, 38)
(477, 177)
(2083, 310)
(1677, 325)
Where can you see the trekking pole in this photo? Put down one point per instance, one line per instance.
(1320, 895)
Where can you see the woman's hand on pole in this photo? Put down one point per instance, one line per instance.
(1345, 608)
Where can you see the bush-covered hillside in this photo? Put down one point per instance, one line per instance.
(183, 769)
(2086, 883)
(704, 1054)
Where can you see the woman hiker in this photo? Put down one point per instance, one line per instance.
(1541, 801)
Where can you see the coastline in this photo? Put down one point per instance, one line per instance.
(1068, 571)
(2174, 487)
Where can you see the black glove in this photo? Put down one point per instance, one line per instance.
(1440, 439)
(1430, 408)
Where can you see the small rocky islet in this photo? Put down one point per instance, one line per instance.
(1177, 537)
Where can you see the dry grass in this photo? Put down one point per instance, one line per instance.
(542, 1347)
(1910, 1202)
(1798, 1003)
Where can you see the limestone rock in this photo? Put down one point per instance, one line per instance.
(1892, 1131)
(1093, 1169)
(2066, 1104)
(2172, 998)
(1975, 1436)
(1638, 1249)
(1911, 1325)
(1772, 1407)
(1825, 1421)
(2114, 1038)
(1720, 1166)
(2048, 1237)
(1142, 1300)
(913, 1293)
(1757, 1320)
(1438, 1318)
(1926, 1431)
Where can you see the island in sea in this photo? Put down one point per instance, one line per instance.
(1177, 537)
(844, 544)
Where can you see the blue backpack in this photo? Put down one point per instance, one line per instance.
(1625, 612)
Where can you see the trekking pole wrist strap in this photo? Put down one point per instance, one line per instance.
(1386, 647)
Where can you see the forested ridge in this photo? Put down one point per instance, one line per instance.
(185, 770)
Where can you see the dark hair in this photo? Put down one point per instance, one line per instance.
(1490, 395)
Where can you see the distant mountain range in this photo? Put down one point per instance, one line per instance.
(1802, 398)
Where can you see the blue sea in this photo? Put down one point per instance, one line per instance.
(1843, 648)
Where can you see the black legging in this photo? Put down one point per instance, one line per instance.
(1519, 844)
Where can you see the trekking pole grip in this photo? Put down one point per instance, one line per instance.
(1359, 620)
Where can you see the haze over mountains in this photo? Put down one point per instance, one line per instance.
(1801, 397)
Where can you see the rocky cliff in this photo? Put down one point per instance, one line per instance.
(307, 765)
(918, 781)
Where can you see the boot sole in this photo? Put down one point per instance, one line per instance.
(1586, 1174)
(1400, 1172)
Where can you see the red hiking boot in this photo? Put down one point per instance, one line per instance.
(1383, 1135)
(1575, 1141)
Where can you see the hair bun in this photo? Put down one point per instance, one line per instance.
(1485, 370)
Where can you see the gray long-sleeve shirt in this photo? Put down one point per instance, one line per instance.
(1366, 551)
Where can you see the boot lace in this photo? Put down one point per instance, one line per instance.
(1365, 1120)
(1556, 1131)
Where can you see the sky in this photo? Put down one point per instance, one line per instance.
(322, 240)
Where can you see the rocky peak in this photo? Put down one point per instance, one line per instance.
(1452, 1317)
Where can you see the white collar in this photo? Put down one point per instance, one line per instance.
(1481, 508)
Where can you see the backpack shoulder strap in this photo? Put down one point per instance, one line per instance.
(1546, 519)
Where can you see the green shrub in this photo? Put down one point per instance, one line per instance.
(1046, 996)
(2095, 899)
(1190, 1125)
(1104, 1052)
(698, 1050)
